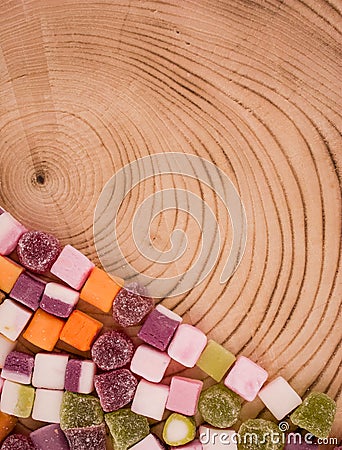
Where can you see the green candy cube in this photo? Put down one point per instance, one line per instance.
(80, 410)
(215, 360)
(179, 429)
(260, 434)
(126, 428)
(316, 414)
(219, 406)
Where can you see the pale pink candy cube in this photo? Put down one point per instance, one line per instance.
(217, 438)
(6, 346)
(49, 370)
(193, 445)
(279, 397)
(184, 395)
(150, 442)
(187, 345)
(150, 363)
(246, 378)
(10, 232)
(13, 319)
(47, 405)
(72, 267)
(150, 399)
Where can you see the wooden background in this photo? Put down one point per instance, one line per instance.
(253, 86)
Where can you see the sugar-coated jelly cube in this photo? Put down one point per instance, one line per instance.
(10, 232)
(260, 434)
(44, 330)
(49, 370)
(47, 405)
(184, 394)
(87, 438)
(59, 300)
(187, 345)
(115, 389)
(79, 376)
(179, 429)
(17, 442)
(150, 442)
(219, 406)
(6, 346)
(215, 360)
(112, 350)
(28, 290)
(50, 437)
(80, 330)
(18, 367)
(13, 319)
(17, 399)
(80, 410)
(217, 438)
(7, 423)
(150, 399)
(150, 363)
(126, 428)
(316, 414)
(9, 273)
(130, 307)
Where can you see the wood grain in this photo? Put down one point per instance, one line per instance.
(253, 86)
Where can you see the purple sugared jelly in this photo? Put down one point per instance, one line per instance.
(28, 291)
(18, 367)
(131, 305)
(112, 350)
(17, 442)
(115, 389)
(50, 437)
(37, 251)
(87, 438)
(158, 329)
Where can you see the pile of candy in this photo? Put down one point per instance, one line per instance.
(57, 389)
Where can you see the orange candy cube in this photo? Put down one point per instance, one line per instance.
(7, 423)
(100, 289)
(44, 330)
(9, 273)
(80, 330)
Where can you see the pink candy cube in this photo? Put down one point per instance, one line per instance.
(246, 378)
(150, 442)
(72, 267)
(193, 445)
(10, 232)
(150, 363)
(184, 395)
(187, 345)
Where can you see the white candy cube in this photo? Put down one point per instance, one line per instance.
(13, 319)
(16, 399)
(217, 438)
(150, 399)
(6, 346)
(150, 363)
(47, 405)
(49, 370)
(279, 397)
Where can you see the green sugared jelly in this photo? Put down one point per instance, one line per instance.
(219, 406)
(179, 429)
(80, 410)
(215, 360)
(126, 428)
(316, 414)
(260, 434)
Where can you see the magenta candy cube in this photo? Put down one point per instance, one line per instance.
(50, 437)
(10, 232)
(246, 378)
(28, 290)
(187, 345)
(72, 267)
(183, 396)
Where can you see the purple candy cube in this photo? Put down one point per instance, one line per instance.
(59, 300)
(79, 376)
(50, 437)
(18, 367)
(28, 291)
(17, 442)
(159, 327)
(87, 438)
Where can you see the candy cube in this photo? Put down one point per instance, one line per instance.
(193, 445)
(115, 389)
(112, 350)
(131, 306)
(179, 429)
(150, 363)
(316, 414)
(80, 330)
(47, 405)
(17, 442)
(18, 367)
(279, 397)
(187, 345)
(215, 360)
(159, 327)
(80, 410)
(100, 290)
(13, 319)
(126, 428)
(9, 273)
(7, 423)
(6, 346)
(150, 399)
(28, 291)
(50, 437)
(72, 267)
(79, 376)
(37, 251)
(259, 434)
(219, 406)
(49, 370)
(150, 442)
(246, 378)
(44, 330)
(59, 300)
(183, 396)
(10, 232)
(87, 438)
(215, 438)
(17, 399)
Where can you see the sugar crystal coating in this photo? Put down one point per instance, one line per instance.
(17, 442)
(219, 406)
(112, 350)
(37, 251)
(131, 306)
(115, 389)
(260, 434)
(87, 438)
(28, 290)
(179, 429)
(80, 410)
(316, 414)
(126, 428)
(18, 367)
